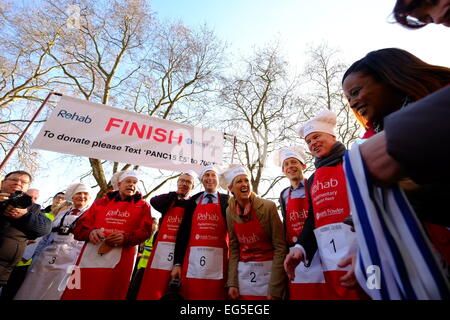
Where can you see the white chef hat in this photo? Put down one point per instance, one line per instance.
(192, 173)
(325, 121)
(284, 153)
(226, 177)
(75, 188)
(207, 168)
(122, 175)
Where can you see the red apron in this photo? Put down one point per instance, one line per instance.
(107, 276)
(157, 273)
(335, 240)
(309, 282)
(440, 238)
(255, 259)
(206, 261)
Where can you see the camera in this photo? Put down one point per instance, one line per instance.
(175, 284)
(64, 230)
(172, 293)
(19, 200)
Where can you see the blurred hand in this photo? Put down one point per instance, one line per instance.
(348, 280)
(176, 272)
(384, 169)
(115, 239)
(4, 196)
(15, 213)
(293, 258)
(96, 236)
(233, 293)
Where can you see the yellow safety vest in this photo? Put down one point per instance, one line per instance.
(148, 246)
(50, 216)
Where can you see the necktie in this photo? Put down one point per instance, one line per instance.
(74, 211)
(210, 198)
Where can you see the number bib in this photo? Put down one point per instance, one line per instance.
(91, 259)
(254, 278)
(205, 263)
(163, 256)
(335, 242)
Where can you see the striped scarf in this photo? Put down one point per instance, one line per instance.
(395, 259)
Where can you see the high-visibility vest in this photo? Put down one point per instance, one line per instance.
(23, 263)
(148, 246)
(50, 216)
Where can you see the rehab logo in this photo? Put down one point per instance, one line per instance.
(74, 116)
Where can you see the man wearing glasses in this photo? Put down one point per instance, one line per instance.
(172, 207)
(20, 221)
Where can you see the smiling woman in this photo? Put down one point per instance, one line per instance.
(386, 80)
(257, 241)
(383, 82)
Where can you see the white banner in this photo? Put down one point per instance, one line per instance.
(98, 131)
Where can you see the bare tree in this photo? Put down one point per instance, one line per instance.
(27, 74)
(10, 130)
(26, 69)
(322, 89)
(261, 102)
(183, 65)
(266, 106)
(116, 53)
(324, 71)
(98, 52)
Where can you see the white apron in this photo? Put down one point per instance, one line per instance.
(48, 275)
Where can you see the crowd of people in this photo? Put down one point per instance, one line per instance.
(217, 246)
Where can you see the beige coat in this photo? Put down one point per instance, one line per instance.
(267, 214)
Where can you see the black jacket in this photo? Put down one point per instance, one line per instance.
(307, 238)
(184, 233)
(283, 206)
(14, 235)
(418, 137)
(163, 202)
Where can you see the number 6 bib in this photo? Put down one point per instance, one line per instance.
(335, 242)
(205, 263)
